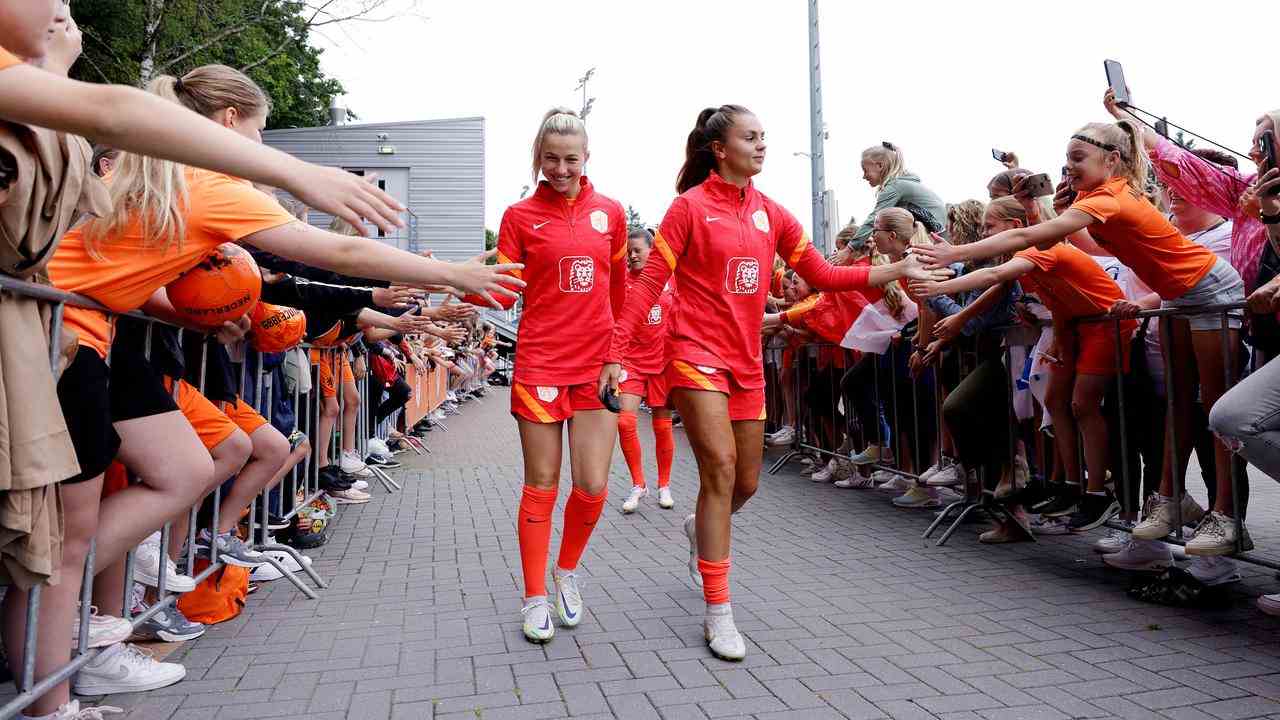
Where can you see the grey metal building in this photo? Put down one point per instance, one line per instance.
(434, 167)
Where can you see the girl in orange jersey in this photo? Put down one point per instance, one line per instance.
(719, 239)
(166, 219)
(1107, 168)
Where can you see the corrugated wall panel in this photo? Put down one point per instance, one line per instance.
(446, 172)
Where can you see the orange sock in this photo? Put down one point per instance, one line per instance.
(715, 580)
(629, 439)
(580, 516)
(533, 527)
(665, 442)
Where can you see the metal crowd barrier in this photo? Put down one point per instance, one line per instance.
(304, 476)
(808, 369)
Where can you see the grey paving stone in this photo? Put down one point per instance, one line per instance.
(421, 620)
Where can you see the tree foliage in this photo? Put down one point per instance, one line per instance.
(132, 41)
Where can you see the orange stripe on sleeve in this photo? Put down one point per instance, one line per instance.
(799, 249)
(503, 260)
(664, 249)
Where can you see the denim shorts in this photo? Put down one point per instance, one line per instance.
(1222, 286)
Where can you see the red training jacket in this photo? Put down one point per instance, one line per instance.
(648, 348)
(574, 255)
(719, 240)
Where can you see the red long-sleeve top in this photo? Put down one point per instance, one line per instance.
(719, 241)
(574, 255)
(648, 347)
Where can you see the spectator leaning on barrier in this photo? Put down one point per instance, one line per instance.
(1107, 169)
(1246, 416)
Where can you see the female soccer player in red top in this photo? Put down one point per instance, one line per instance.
(573, 242)
(642, 380)
(719, 238)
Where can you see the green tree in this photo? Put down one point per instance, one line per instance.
(132, 41)
(633, 219)
(490, 242)
(1180, 139)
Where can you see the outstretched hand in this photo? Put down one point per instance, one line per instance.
(914, 269)
(337, 192)
(934, 257)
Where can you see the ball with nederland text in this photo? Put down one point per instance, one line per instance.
(224, 287)
(276, 328)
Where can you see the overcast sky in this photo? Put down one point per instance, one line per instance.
(945, 81)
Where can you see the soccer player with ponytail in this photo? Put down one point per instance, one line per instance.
(718, 239)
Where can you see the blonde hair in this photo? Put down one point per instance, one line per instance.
(1008, 209)
(155, 191)
(905, 225)
(557, 121)
(338, 226)
(1124, 139)
(964, 221)
(891, 157)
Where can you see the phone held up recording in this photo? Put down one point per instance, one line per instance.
(1115, 78)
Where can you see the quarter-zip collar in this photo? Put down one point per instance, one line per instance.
(718, 187)
(549, 195)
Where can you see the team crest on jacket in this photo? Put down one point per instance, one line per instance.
(577, 274)
(655, 315)
(761, 220)
(600, 221)
(742, 277)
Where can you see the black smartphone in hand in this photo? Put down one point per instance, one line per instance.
(1268, 143)
(999, 155)
(609, 398)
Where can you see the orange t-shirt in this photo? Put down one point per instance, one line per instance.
(220, 209)
(8, 59)
(1069, 282)
(1140, 237)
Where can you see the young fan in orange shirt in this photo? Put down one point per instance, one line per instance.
(1106, 166)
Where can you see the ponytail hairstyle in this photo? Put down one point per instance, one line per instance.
(712, 126)
(155, 191)
(904, 224)
(557, 121)
(889, 156)
(1125, 139)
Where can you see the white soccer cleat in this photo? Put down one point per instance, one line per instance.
(632, 502)
(691, 532)
(568, 597)
(665, 501)
(722, 634)
(538, 627)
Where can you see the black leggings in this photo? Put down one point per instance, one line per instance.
(396, 396)
(977, 416)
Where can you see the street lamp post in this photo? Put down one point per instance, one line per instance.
(817, 133)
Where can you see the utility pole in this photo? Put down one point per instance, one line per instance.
(586, 101)
(817, 134)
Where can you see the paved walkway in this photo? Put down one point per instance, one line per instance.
(846, 611)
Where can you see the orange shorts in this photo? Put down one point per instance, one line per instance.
(651, 388)
(548, 404)
(1090, 348)
(212, 425)
(326, 359)
(744, 403)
